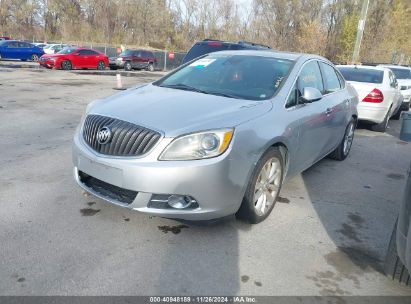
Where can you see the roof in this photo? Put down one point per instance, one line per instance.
(262, 53)
(394, 66)
(368, 67)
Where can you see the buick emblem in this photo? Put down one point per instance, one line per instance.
(103, 135)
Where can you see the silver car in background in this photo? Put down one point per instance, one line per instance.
(216, 137)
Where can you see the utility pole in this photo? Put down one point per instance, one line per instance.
(360, 31)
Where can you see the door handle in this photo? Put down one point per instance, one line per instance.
(328, 111)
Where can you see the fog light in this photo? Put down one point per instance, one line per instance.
(172, 201)
(179, 201)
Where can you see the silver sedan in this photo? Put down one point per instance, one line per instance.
(216, 137)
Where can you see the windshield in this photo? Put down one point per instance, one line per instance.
(235, 76)
(126, 53)
(401, 73)
(66, 51)
(362, 75)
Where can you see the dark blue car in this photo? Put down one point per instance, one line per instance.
(13, 49)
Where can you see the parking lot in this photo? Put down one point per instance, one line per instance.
(327, 235)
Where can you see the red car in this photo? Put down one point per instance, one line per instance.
(4, 38)
(75, 58)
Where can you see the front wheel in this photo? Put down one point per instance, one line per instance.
(66, 65)
(344, 148)
(101, 65)
(34, 57)
(150, 67)
(127, 66)
(264, 187)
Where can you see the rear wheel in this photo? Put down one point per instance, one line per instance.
(34, 57)
(127, 66)
(344, 148)
(382, 127)
(101, 65)
(66, 65)
(264, 187)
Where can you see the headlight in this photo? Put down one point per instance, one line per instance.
(198, 145)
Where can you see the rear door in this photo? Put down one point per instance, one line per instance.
(93, 59)
(26, 50)
(337, 106)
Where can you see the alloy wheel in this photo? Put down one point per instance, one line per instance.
(348, 139)
(267, 186)
(101, 65)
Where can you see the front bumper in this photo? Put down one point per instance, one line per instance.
(214, 183)
(115, 63)
(48, 63)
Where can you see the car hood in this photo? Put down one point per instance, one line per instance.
(175, 112)
(53, 55)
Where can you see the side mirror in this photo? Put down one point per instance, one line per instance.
(311, 94)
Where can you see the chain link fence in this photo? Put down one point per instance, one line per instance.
(166, 61)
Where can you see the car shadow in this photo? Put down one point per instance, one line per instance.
(198, 262)
(357, 203)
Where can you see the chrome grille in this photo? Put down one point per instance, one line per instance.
(127, 139)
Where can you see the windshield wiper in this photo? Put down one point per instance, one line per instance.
(181, 86)
(222, 94)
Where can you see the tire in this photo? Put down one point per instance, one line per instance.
(254, 208)
(101, 66)
(344, 148)
(127, 66)
(66, 65)
(35, 57)
(397, 115)
(150, 67)
(393, 267)
(382, 127)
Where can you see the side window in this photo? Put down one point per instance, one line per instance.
(23, 45)
(393, 80)
(310, 76)
(331, 82)
(138, 54)
(342, 80)
(82, 52)
(13, 44)
(91, 52)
